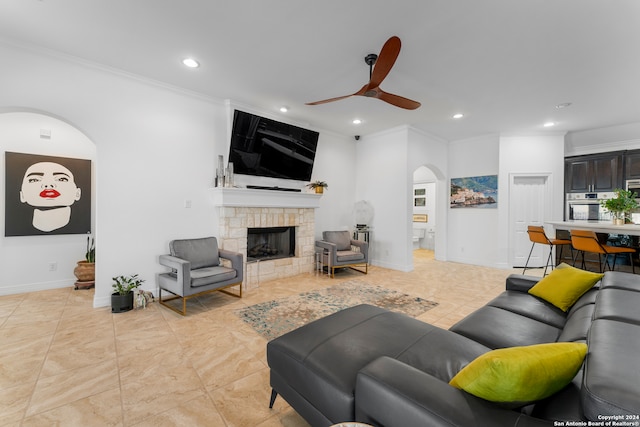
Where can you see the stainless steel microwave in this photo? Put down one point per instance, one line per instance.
(634, 185)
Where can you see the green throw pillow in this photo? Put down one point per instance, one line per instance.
(517, 376)
(564, 285)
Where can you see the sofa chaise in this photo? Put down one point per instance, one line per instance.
(383, 368)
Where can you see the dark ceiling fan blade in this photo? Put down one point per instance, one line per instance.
(388, 55)
(398, 101)
(324, 101)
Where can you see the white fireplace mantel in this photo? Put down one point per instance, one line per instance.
(245, 197)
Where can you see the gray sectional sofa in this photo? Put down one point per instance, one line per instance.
(383, 368)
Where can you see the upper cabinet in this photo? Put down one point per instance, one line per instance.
(632, 164)
(594, 173)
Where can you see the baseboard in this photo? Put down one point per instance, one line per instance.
(34, 287)
(391, 266)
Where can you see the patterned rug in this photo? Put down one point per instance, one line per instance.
(274, 318)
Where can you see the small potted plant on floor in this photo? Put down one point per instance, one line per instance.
(621, 205)
(122, 296)
(85, 270)
(318, 186)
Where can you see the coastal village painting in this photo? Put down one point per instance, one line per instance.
(474, 192)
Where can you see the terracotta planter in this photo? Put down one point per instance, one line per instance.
(85, 271)
(121, 303)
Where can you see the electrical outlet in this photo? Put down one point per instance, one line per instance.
(53, 266)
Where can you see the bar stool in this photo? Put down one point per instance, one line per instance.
(537, 235)
(587, 241)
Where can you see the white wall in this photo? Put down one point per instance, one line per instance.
(155, 148)
(335, 164)
(383, 180)
(471, 233)
(534, 154)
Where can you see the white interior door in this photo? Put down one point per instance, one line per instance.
(528, 204)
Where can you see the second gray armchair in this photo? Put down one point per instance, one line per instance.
(339, 250)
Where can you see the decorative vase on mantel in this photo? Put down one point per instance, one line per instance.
(85, 272)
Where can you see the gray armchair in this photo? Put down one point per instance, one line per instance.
(196, 269)
(339, 250)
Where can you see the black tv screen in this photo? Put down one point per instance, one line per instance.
(264, 147)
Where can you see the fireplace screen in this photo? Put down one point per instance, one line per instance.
(271, 243)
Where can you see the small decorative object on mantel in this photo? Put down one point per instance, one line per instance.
(621, 206)
(224, 176)
(85, 270)
(122, 296)
(318, 186)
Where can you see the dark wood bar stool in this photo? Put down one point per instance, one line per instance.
(537, 235)
(587, 241)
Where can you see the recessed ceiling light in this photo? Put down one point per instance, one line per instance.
(549, 124)
(357, 121)
(458, 116)
(284, 109)
(563, 105)
(191, 63)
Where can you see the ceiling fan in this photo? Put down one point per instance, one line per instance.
(377, 74)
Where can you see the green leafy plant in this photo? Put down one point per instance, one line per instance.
(622, 204)
(90, 255)
(124, 284)
(316, 184)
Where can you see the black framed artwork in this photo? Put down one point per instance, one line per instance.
(46, 195)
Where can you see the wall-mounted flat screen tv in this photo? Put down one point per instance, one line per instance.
(264, 147)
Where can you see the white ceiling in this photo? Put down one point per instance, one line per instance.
(505, 64)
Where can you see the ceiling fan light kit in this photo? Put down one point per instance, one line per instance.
(379, 67)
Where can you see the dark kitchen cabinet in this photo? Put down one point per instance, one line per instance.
(593, 173)
(632, 164)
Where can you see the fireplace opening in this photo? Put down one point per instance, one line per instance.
(271, 243)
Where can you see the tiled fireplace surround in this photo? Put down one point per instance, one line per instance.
(240, 209)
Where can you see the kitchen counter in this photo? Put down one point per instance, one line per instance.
(597, 226)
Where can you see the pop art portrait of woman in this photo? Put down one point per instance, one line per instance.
(47, 195)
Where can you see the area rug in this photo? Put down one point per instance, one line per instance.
(274, 318)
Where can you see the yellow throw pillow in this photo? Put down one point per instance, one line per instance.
(564, 285)
(520, 375)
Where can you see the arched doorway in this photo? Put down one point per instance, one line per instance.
(45, 258)
(424, 214)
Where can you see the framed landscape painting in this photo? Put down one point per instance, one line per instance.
(474, 192)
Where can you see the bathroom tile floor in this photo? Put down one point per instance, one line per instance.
(64, 363)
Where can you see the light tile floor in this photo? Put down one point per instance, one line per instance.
(63, 363)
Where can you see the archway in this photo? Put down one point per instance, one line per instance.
(424, 215)
(46, 259)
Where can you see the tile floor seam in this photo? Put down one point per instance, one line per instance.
(44, 360)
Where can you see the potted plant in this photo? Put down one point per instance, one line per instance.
(85, 270)
(318, 186)
(122, 296)
(621, 205)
